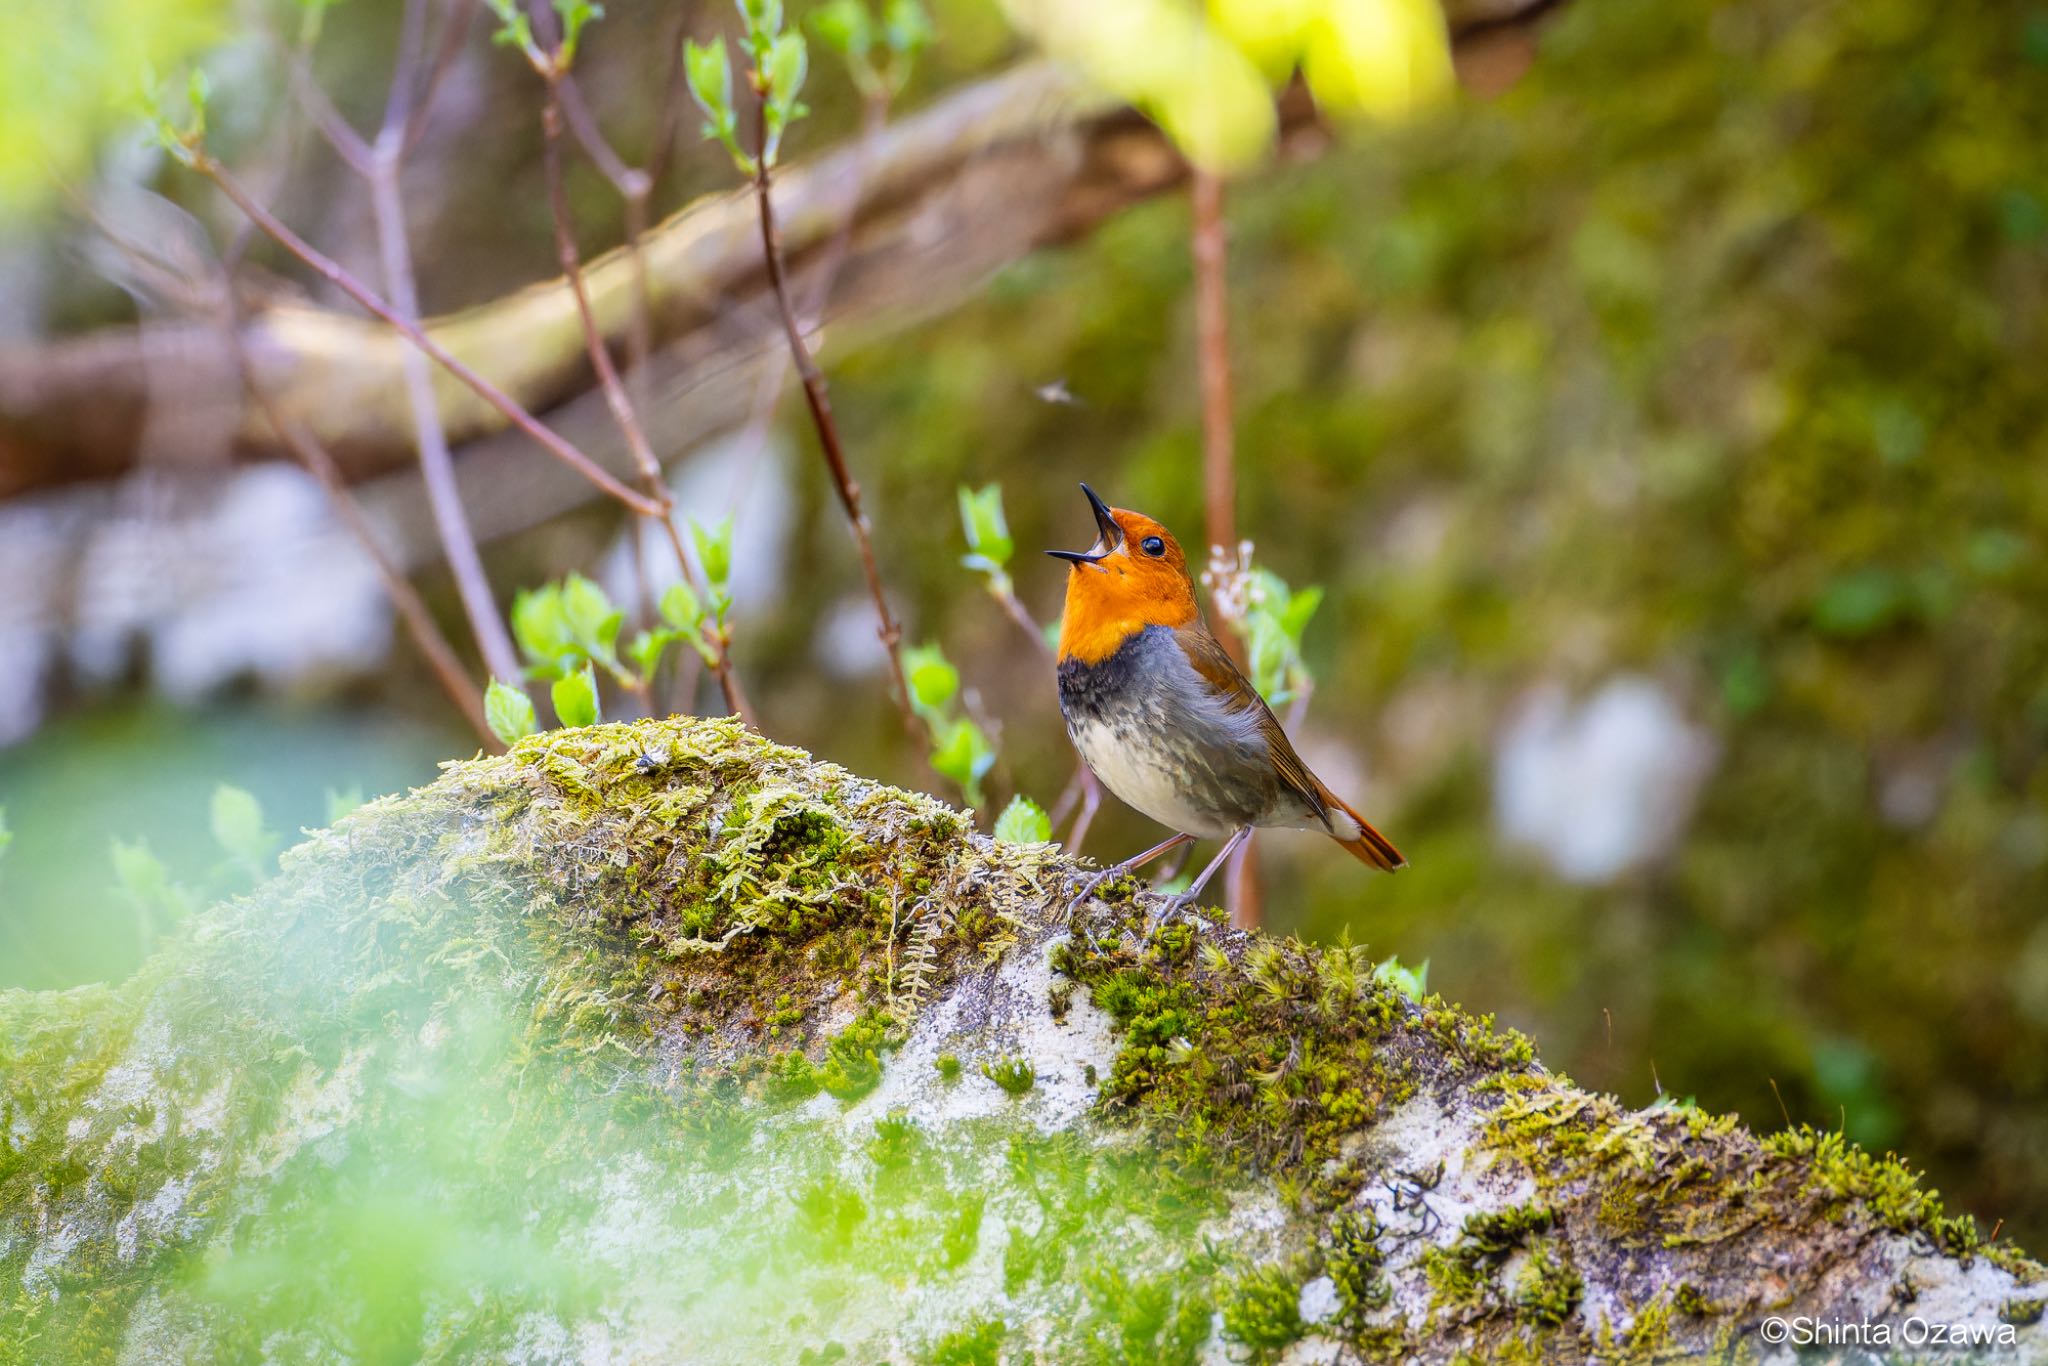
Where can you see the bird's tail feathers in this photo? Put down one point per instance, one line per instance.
(1369, 845)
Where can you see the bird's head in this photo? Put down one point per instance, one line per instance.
(1134, 576)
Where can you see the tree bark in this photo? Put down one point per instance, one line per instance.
(660, 1041)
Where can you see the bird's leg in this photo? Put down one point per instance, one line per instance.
(1131, 864)
(1187, 898)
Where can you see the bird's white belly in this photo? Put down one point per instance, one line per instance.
(1144, 775)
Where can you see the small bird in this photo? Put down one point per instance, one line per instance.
(1164, 717)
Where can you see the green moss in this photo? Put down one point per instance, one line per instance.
(1547, 1290)
(1014, 1075)
(1462, 1276)
(948, 1066)
(979, 1344)
(1356, 1266)
(1140, 1321)
(850, 1067)
(1841, 1174)
(1262, 1309)
(1268, 1048)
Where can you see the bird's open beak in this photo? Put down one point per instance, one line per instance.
(1108, 535)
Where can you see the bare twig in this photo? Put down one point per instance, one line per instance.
(454, 28)
(616, 398)
(412, 610)
(1212, 366)
(332, 271)
(437, 463)
(1219, 472)
(405, 599)
(820, 407)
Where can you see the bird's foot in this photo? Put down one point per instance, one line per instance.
(1168, 908)
(1091, 881)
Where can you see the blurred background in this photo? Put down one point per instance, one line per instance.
(1662, 417)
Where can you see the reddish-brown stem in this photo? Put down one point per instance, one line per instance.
(1212, 367)
(820, 407)
(405, 599)
(620, 403)
(1219, 470)
(600, 355)
(339, 276)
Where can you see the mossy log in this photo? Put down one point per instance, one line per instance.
(661, 1042)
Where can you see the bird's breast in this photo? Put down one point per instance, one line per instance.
(1158, 737)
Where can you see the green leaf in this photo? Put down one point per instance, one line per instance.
(514, 29)
(237, 820)
(783, 66)
(763, 18)
(681, 608)
(1023, 822)
(714, 550)
(592, 619)
(509, 712)
(1294, 618)
(964, 755)
(342, 801)
(1410, 982)
(6, 835)
(846, 27)
(540, 624)
(575, 698)
(906, 27)
(646, 649)
(987, 530)
(788, 63)
(140, 874)
(934, 682)
(709, 74)
(575, 14)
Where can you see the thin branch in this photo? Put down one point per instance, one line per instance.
(1212, 368)
(616, 398)
(454, 28)
(419, 622)
(347, 143)
(1219, 471)
(437, 463)
(820, 406)
(332, 271)
(426, 633)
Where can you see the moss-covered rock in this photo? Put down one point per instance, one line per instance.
(664, 1042)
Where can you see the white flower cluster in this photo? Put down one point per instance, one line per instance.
(1232, 586)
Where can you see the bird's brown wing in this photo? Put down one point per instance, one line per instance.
(1236, 692)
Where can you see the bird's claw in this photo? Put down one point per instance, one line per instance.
(1093, 881)
(1168, 907)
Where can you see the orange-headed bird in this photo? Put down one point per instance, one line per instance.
(1164, 717)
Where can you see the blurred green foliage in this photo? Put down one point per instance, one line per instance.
(1712, 349)
(71, 73)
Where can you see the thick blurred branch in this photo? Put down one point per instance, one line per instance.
(978, 179)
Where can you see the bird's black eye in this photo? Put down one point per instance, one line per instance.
(1152, 545)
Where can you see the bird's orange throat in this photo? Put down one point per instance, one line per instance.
(1108, 604)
